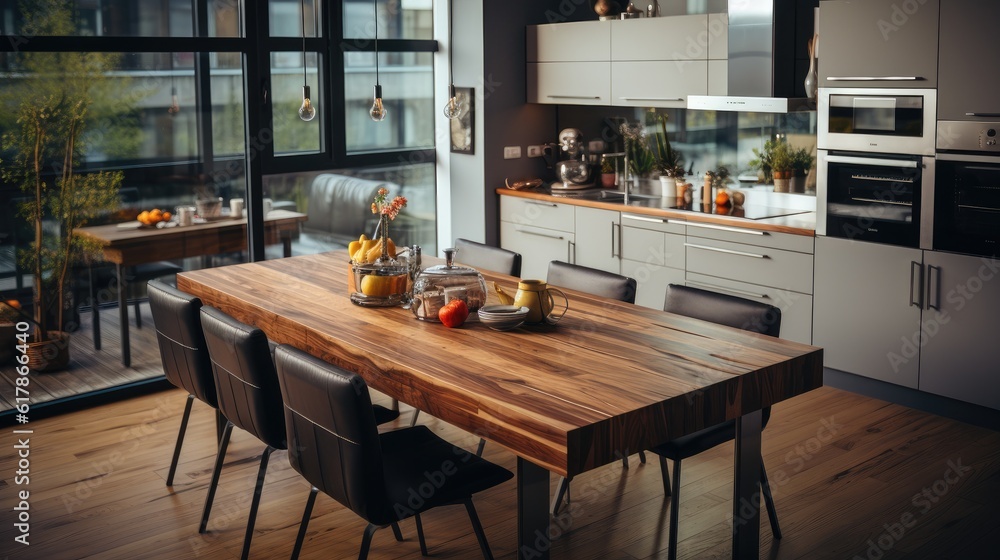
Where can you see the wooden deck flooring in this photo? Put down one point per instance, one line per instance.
(853, 477)
(93, 370)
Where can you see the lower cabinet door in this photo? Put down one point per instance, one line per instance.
(538, 246)
(651, 281)
(961, 328)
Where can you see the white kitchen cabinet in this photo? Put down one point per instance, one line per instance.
(653, 254)
(774, 268)
(657, 83)
(569, 83)
(867, 309)
(568, 42)
(960, 328)
(540, 231)
(597, 239)
(878, 43)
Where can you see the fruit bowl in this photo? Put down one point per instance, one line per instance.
(502, 317)
(379, 285)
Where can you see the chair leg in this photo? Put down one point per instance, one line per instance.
(642, 457)
(562, 489)
(420, 535)
(625, 462)
(94, 309)
(366, 542)
(255, 503)
(305, 522)
(482, 446)
(478, 528)
(396, 532)
(180, 440)
(772, 514)
(675, 502)
(665, 474)
(216, 471)
(138, 315)
(413, 420)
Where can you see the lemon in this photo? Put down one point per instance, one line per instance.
(378, 286)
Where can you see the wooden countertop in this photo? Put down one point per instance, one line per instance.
(796, 224)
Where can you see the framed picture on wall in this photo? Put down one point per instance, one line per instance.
(463, 129)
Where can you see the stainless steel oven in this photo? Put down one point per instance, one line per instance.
(967, 200)
(888, 121)
(876, 197)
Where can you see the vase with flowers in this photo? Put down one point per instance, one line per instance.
(379, 278)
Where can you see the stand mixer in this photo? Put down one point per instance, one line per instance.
(573, 171)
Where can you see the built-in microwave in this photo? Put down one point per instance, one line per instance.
(888, 121)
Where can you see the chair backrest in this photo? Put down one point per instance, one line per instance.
(487, 257)
(340, 204)
(592, 281)
(183, 351)
(332, 430)
(723, 309)
(245, 378)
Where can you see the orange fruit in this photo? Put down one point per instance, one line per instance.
(143, 217)
(166, 216)
(722, 199)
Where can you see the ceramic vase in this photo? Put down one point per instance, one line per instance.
(811, 83)
(668, 186)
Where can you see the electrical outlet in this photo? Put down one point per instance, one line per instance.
(512, 152)
(534, 151)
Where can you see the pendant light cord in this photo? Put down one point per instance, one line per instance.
(304, 64)
(375, 4)
(451, 45)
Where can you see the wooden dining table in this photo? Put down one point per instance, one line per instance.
(607, 380)
(128, 244)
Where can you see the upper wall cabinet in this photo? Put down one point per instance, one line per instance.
(969, 83)
(878, 43)
(655, 62)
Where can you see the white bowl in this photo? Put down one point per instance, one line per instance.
(502, 317)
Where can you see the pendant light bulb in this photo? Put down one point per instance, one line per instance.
(378, 111)
(306, 112)
(454, 108)
(175, 106)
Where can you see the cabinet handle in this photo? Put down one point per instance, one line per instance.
(645, 219)
(538, 233)
(934, 288)
(621, 242)
(726, 228)
(573, 96)
(651, 98)
(982, 114)
(727, 251)
(546, 204)
(570, 252)
(919, 275)
(875, 78)
(613, 244)
(730, 290)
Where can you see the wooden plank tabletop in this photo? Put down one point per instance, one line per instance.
(609, 379)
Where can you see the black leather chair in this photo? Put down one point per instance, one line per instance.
(249, 398)
(183, 352)
(734, 312)
(599, 283)
(487, 257)
(591, 281)
(339, 451)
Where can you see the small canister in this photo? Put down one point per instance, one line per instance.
(185, 215)
(706, 191)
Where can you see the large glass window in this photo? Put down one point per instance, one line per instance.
(123, 18)
(398, 19)
(408, 94)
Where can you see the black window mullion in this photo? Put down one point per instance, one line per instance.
(335, 84)
(257, 112)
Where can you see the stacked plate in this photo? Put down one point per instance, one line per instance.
(502, 317)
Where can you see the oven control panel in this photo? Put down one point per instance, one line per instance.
(968, 136)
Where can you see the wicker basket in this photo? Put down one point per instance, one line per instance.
(50, 355)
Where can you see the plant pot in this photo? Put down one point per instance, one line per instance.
(608, 180)
(782, 180)
(668, 187)
(8, 339)
(50, 355)
(647, 185)
(797, 184)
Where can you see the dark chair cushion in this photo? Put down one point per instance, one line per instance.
(487, 257)
(183, 351)
(723, 309)
(245, 379)
(591, 281)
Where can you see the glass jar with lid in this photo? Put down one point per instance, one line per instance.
(437, 285)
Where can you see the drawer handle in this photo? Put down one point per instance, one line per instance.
(546, 204)
(573, 96)
(875, 78)
(727, 251)
(906, 164)
(727, 228)
(651, 98)
(645, 219)
(982, 115)
(538, 233)
(730, 290)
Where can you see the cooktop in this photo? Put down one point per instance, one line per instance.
(748, 211)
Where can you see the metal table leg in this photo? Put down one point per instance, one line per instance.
(746, 489)
(532, 511)
(123, 315)
(94, 308)
(286, 242)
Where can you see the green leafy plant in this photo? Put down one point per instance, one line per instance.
(607, 166)
(775, 156)
(802, 160)
(640, 158)
(669, 162)
(721, 176)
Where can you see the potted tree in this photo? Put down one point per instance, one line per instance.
(52, 109)
(669, 162)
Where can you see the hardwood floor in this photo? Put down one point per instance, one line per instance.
(852, 477)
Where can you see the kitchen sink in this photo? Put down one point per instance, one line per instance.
(619, 195)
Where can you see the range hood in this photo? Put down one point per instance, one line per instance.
(768, 58)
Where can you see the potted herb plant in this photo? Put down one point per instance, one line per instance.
(608, 179)
(640, 158)
(802, 161)
(669, 162)
(781, 166)
(52, 104)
